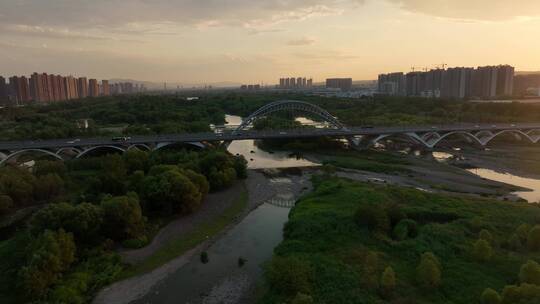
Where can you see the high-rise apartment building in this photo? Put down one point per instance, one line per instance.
(40, 87)
(71, 87)
(93, 89)
(105, 88)
(392, 84)
(505, 80)
(295, 83)
(3, 90)
(20, 88)
(82, 85)
(344, 84)
(452, 83)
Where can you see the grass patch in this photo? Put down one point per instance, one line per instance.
(182, 244)
(373, 161)
(325, 252)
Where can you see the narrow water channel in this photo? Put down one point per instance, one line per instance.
(222, 280)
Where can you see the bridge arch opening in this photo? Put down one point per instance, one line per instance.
(295, 109)
(100, 149)
(37, 152)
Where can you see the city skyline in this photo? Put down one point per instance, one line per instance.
(254, 42)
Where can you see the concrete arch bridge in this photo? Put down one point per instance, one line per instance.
(359, 136)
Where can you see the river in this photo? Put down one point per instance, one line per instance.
(258, 158)
(222, 279)
(502, 176)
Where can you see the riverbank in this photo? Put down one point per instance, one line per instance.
(147, 272)
(423, 173)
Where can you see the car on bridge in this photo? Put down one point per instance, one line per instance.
(121, 138)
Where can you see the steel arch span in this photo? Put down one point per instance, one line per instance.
(288, 105)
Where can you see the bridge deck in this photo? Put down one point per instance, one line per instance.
(266, 134)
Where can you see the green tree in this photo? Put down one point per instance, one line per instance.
(240, 166)
(199, 180)
(135, 160)
(48, 186)
(17, 184)
(289, 275)
(388, 281)
(171, 191)
(113, 174)
(530, 273)
(301, 298)
(83, 220)
(490, 296)
(428, 272)
(482, 250)
(5, 204)
(48, 256)
(44, 167)
(524, 293)
(136, 181)
(523, 232)
(122, 217)
(370, 276)
(514, 242)
(373, 217)
(486, 236)
(533, 239)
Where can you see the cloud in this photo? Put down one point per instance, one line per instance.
(55, 33)
(480, 10)
(301, 41)
(113, 13)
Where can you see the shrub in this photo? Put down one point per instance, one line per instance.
(533, 239)
(122, 217)
(428, 272)
(388, 281)
(83, 220)
(204, 257)
(482, 251)
(301, 298)
(530, 273)
(373, 217)
(370, 276)
(44, 167)
(5, 204)
(486, 236)
(395, 214)
(404, 229)
(289, 275)
(171, 191)
(524, 293)
(523, 232)
(490, 296)
(514, 242)
(48, 256)
(136, 243)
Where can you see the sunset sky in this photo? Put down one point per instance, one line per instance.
(251, 41)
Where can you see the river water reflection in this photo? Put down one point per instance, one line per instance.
(258, 158)
(530, 183)
(532, 196)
